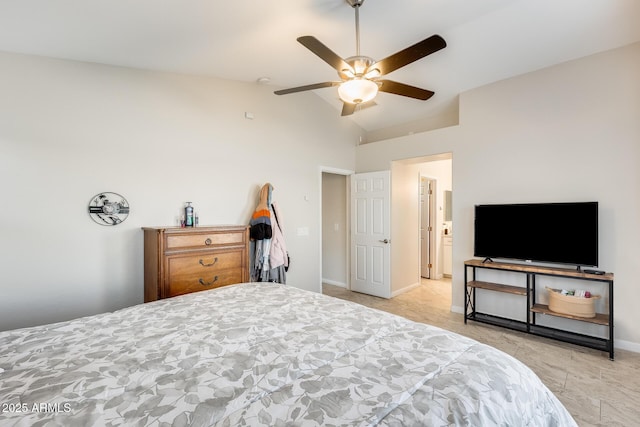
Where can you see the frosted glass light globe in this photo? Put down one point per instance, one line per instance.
(357, 91)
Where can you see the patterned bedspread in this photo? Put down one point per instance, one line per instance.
(262, 354)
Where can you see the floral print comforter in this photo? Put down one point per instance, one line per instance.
(262, 354)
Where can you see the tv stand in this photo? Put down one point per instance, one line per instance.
(533, 308)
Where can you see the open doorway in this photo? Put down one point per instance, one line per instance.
(334, 250)
(436, 223)
(410, 236)
(437, 174)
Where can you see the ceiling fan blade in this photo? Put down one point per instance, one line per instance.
(326, 54)
(402, 89)
(348, 109)
(409, 55)
(307, 87)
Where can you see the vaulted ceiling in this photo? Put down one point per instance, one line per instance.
(487, 40)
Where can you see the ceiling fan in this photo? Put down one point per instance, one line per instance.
(360, 75)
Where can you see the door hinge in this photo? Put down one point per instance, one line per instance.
(430, 265)
(429, 228)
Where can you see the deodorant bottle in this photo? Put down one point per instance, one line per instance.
(188, 215)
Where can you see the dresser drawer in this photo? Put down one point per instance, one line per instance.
(202, 271)
(209, 279)
(203, 263)
(203, 240)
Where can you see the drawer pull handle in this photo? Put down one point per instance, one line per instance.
(209, 265)
(203, 283)
(208, 242)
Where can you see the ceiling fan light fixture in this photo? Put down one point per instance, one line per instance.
(360, 75)
(357, 91)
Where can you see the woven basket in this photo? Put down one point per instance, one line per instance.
(571, 305)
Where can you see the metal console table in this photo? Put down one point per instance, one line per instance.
(534, 308)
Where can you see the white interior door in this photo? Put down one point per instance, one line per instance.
(371, 233)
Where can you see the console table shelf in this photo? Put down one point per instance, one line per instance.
(600, 319)
(490, 319)
(533, 307)
(517, 290)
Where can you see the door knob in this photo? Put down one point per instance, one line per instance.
(385, 241)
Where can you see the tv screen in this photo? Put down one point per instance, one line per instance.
(564, 233)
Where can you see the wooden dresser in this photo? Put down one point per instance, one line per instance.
(183, 260)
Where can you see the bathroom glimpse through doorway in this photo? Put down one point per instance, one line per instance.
(435, 225)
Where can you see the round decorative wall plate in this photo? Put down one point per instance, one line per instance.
(108, 208)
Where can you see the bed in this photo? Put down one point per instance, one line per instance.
(262, 354)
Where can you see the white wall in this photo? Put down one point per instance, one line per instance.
(334, 229)
(70, 130)
(565, 133)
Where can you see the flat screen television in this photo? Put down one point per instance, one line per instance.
(563, 233)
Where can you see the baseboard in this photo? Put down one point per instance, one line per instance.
(627, 345)
(457, 309)
(334, 283)
(405, 289)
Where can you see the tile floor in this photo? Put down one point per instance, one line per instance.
(596, 390)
